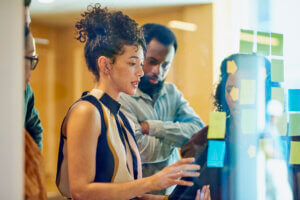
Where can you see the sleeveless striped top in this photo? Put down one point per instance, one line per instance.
(117, 155)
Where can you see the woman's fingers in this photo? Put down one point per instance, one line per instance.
(198, 195)
(184, 174)
(183, 182)
(185, 161)
(205, 193)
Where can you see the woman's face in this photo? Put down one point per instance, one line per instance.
(127, 70)
(231, 94)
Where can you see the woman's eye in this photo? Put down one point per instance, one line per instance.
(132, 63)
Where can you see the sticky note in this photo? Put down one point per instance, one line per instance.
(248, 121)
(294, 125)
(277, 94)
(246, 41)
(231, 67)
(216, 153)
(217, 125)
(281, 124)
(234, 93)
(295, 153)
(263, 43)
(277, 70)
(277, 44)
(294, 99)
(247, 92)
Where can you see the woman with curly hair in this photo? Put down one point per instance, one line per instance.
(219, 178)
(98, 154)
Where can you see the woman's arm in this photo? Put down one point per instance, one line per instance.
(82, 130)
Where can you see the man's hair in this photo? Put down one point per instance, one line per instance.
(159, 32)
(27, 3)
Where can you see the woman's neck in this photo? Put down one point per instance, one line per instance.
(108, 90)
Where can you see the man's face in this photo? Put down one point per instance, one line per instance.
(158, 61)
(29, 52)
(27, 19)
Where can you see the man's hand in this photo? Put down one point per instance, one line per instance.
(145, 128)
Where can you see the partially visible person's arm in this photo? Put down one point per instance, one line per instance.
(82, 130)
(186, 122)
(32, 119)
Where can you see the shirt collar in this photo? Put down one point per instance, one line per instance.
(110, 103)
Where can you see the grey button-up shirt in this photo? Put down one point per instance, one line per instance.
(171, 121)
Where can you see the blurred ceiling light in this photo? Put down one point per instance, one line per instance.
(42, 41)
(46, 1)
(186, 26)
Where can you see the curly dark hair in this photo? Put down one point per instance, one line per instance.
(242, 62)
(105, 33)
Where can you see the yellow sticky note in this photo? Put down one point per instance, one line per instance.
(295, 152)
(234, 93)
(248, 92)
(231, 67)
(217, 125)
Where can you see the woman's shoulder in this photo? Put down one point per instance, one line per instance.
(82, 113)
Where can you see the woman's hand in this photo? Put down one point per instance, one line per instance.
(204, 194)
(171, 175)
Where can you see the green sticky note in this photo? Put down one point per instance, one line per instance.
(248, 121)
(247, 92)
(281, 124)
(278, 94)
(217, 125)
(277, 44)
(263, 43)
(246, 41)
(294, 125)
(295, 152)
(277, 70)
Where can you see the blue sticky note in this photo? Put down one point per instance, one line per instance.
(216, 153)
(294, 99)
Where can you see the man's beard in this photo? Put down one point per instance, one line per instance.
(151, 89)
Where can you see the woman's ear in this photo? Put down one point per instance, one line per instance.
(103, 64)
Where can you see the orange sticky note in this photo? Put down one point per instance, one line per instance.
(231, 67)
(234, 93)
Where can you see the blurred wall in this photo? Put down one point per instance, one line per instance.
(62, 74)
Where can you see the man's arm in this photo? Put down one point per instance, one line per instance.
(32, 119)
(186, 122)
(151, 149)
